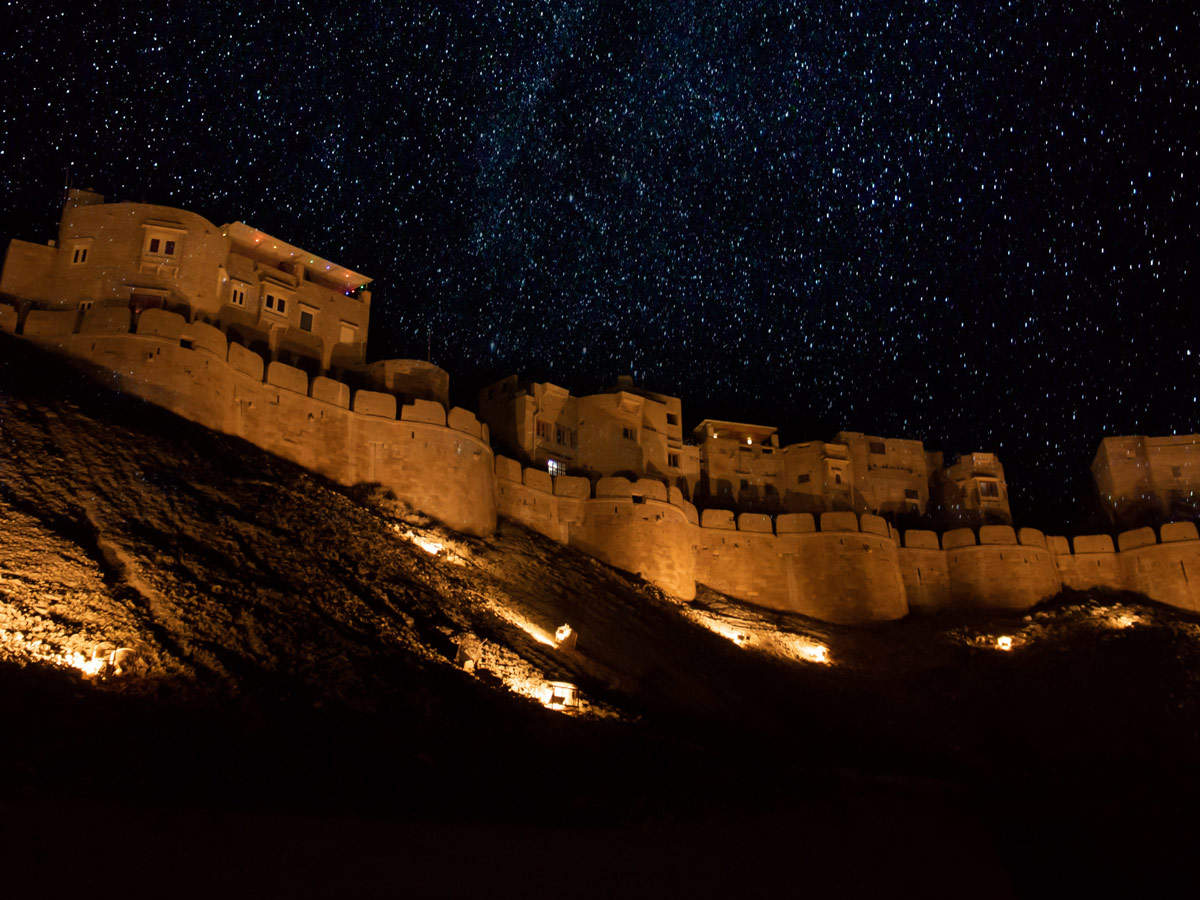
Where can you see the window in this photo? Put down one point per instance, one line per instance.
(877, 447)
(237, 295)
(554, 467)
(162, 240)
(161, 246)
(306, 320)
(560, 436)
(989, 489)
(543, 430)
(911, 494)
(628, 434)
(79, 257)
(837, 478)
(803, 479)
(348, 333)
(673, 460)
(85, 304)
(672, 419)
(278, 304)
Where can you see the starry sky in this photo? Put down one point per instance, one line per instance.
(972, 224)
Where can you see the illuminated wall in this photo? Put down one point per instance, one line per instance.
(838, 566)
(436, 461)
(301, 308)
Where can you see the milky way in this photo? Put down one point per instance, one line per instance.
(915, 219)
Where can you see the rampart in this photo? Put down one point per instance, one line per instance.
(439, 462)
(839, 567)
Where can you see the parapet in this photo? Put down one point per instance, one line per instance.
(1031, 537)
(508, 469)
(1179, 531)
(572, 486)
(246, 361)
(650, 489)
(839, 521)
(1093, 543)
(373, 403)
(329, 391)
(997, 534)
(162, 324)
(755, 522)
(614, 486)
(428, 411)
(538, 479)
(915, 539)
(795, 523)
(958, 537)
(717, 518)
(205, 338)
(287, 377)
(874, 525)
(1138, 537)
(48, 324)
(110, 320)
(461, 420)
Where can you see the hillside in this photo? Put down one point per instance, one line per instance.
(203, 645)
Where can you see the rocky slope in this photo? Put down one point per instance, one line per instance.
(191, 626)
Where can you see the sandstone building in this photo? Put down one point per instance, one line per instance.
(291, 305)
(1148, 479)
(630, 431)
(624, 430)
(142, 297)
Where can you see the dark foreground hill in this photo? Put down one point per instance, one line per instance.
(225, 674)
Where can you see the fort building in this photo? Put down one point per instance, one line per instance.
(972, 491)
(624, 430)
(1141, 479)
(817, 477)
(142, 297)
(740, 466)
(890, 475)
(290, 305)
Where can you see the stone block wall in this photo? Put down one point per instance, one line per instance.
(837, 567)
(447, 472)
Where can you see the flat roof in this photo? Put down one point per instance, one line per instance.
(281, 251)
(721, 427)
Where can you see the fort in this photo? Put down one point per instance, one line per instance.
(248, 335)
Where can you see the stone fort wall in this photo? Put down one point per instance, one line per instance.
(439, 462)
(838, 567)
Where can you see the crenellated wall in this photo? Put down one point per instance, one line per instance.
(638, 526)
(440, 464)
(1164, 567)
(838, 566)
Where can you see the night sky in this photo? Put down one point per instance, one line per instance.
(973, 224)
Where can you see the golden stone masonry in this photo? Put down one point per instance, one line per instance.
(244, 333)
